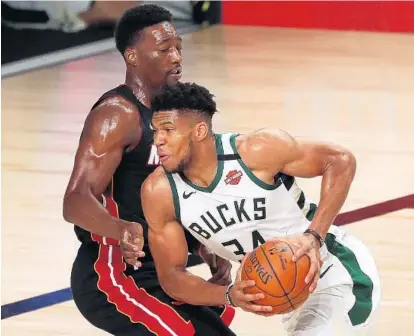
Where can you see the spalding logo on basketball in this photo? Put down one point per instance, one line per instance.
(258, 269)
(281, 280)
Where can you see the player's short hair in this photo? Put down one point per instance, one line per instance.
(185, 97)
(134, 20)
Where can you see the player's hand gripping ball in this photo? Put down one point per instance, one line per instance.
(281, 280)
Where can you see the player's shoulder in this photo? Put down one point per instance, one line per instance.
(114, 106)
(113, 119)
(156, 184)
(259, 140)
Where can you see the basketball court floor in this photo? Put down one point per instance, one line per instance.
(352, 88)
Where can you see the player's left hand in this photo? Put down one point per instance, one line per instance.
(220, 268)
(309, 245)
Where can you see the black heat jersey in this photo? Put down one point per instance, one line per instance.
(122, 196)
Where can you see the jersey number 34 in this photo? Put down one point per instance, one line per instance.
(238, 249)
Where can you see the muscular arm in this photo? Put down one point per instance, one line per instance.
(169, 248)
(268, 153)
(108, 129)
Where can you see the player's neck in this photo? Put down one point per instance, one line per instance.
(204, 164)
(141, 91)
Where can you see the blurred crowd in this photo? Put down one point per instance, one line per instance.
(75, 16)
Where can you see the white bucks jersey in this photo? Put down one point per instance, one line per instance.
(238, 212)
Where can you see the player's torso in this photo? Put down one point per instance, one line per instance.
(122, 196)
(134, 168)
(238, 212)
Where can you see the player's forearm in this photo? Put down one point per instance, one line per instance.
(84, 210)
(189, 288)
(336, 182)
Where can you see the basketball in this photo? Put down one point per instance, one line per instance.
(281, 280)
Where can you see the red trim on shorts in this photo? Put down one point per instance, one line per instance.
(227, 315)
(135, 302)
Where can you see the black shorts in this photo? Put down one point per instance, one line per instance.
(117, 303)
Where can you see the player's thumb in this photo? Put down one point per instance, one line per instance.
(238, 274)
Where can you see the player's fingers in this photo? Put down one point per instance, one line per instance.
(285, 239)
(137, 254)
(132, 254)
(253, 308)
(131, 245)
(311, 272)
(133, 262)
(137, 228)
(140, 229)
(238, 273)
(315, 279)
(244, 284)
(298, 253)
(251, 297)
(138, 241)
(126, 236)
(265, 314)
(314, 282)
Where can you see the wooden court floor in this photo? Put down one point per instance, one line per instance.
(352, 88)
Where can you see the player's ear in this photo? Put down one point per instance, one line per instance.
(131, 56)
(201, 131)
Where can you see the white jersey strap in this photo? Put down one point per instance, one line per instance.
(225, 140)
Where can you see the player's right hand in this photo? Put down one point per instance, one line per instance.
(132, 242)
(245, 301)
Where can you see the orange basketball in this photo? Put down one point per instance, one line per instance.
(281, 280)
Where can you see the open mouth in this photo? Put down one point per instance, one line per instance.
(177, 71)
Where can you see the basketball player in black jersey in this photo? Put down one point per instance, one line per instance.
(111, 288)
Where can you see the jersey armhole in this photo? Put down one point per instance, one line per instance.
(247, 170)
(175, 196)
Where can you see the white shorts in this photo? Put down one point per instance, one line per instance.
(347, 296)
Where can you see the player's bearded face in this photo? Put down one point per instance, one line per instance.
(173, 140)
(180, 157)
(185, 157)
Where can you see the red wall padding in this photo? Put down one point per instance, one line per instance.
(385, 16)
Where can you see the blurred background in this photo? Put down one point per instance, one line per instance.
(41, 33)
(336, 71)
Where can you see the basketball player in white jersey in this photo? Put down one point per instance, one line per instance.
(234, 192)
